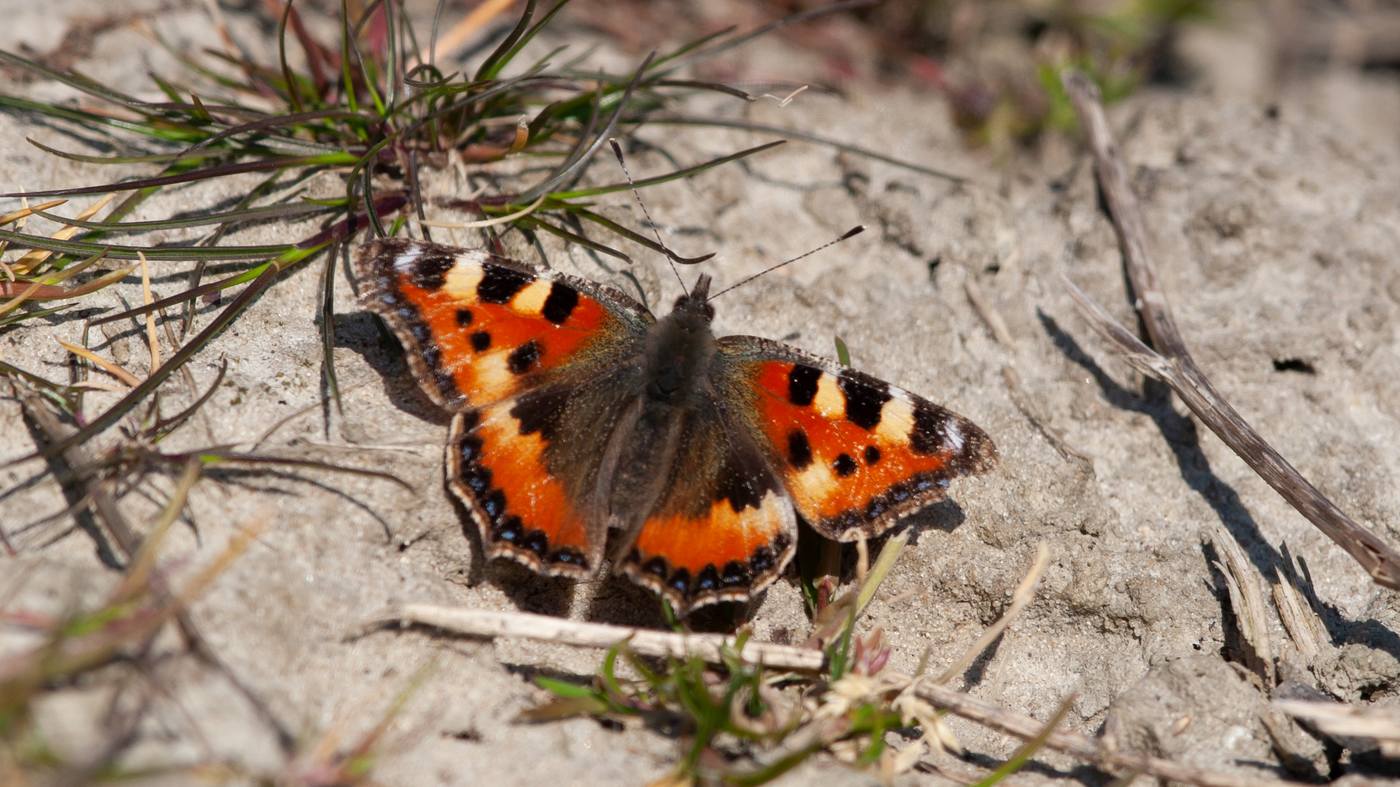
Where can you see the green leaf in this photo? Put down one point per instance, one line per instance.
(565, 689)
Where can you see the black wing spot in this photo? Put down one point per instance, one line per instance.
(560, 303)
(743, 479)
(541, 411)
(844, 465)
(464, 317)
(536, 541)
(470, 449)
(707, 579)
(481, 341)
(781, 543)
(567, 556)
(524, 357)
(872, 455)
(802, 384)
(494, 504)
(865, 398)
(656, 567)
(799, 449)
(680, 582)
(510, 531)
(430, 271)
(477, 479)
(735, 574)
(928, 428)
(500, 284)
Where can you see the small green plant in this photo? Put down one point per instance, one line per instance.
(742, 723)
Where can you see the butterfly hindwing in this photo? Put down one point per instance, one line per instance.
(478, 328)
(496, 464)
(724, 529)
(854, 453)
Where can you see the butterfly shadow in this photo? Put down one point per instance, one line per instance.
(527, 590)
(945, 515)
(619, 601)
(364, 333)
(1183, 438)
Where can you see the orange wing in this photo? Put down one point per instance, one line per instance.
(725, 529)
(496, 465)
(855, 453)
(511, 349)
(479, 328)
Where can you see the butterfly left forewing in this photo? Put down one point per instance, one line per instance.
(529, 361)
(478, 328)
(855, 453)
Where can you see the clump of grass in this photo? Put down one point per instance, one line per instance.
(369, 113)
(117, 631)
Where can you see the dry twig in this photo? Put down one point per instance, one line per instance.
(1171, 363)
(1305, 629)
(1337, 719)
(1025, 727)
(487, 623)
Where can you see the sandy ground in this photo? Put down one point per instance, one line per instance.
(1275, 220)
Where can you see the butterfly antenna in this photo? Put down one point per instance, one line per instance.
(670, 255)
(850, 233)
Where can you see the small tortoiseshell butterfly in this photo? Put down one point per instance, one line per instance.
(575, 411)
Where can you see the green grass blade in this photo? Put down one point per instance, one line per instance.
(293, 90)
(489, 69)
(223, 170)
(153, 158)
(524, 39)
(92, 121)
(134, 397)
(1028, 749)
(86, 249)
(577, 164)
(668, 177)
(297, 210)
(792, 133)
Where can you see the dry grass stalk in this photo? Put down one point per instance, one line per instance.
(487, 623)
(1242, 582)
(1169, 361)
(1304, 627)
(1025, 592)
(1083, 746)
(1012, 378)
(1339, 720)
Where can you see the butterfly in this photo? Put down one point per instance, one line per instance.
(576, 412)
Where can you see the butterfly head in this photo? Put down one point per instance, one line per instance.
(695, 305)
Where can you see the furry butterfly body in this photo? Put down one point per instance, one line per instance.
(576, 412)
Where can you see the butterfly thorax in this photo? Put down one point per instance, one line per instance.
(678, 349)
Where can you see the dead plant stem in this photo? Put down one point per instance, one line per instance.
(1169, 361)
